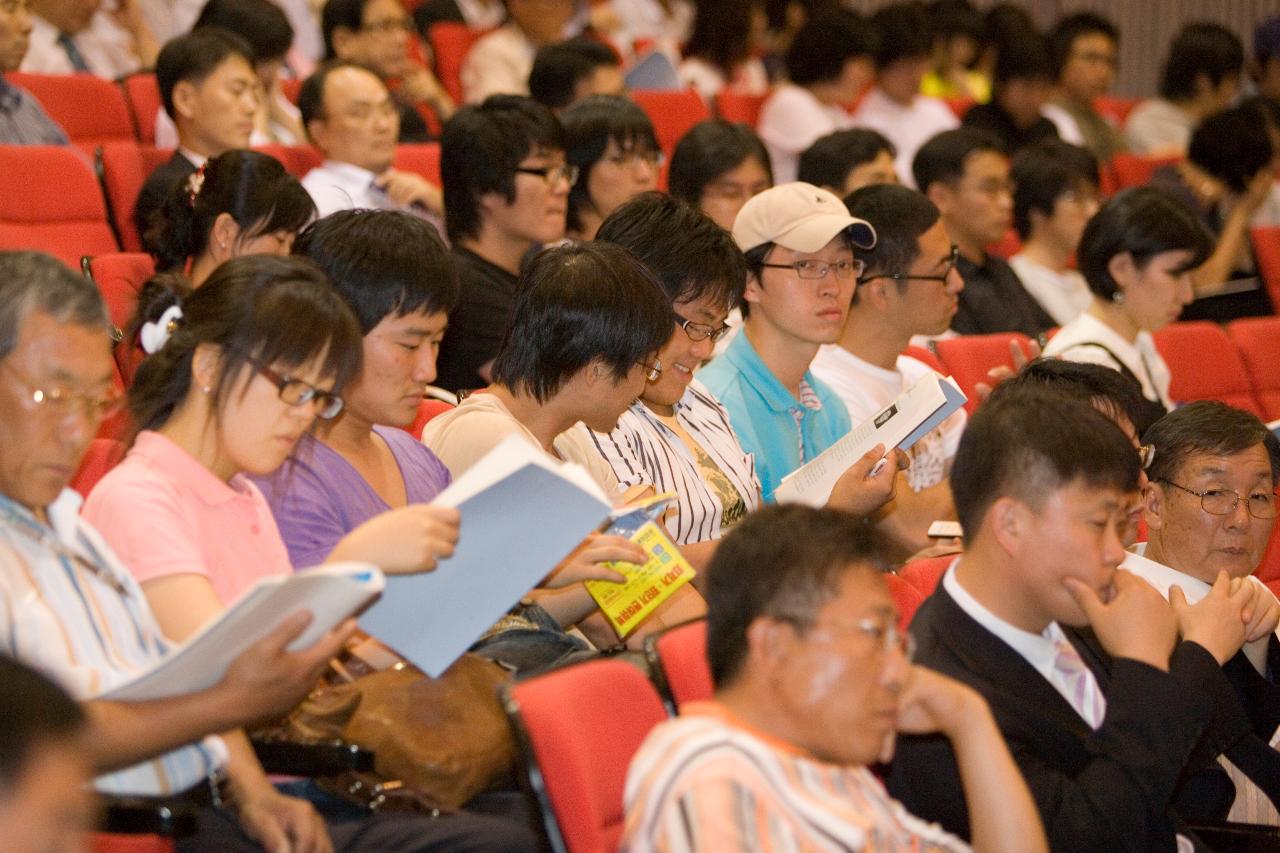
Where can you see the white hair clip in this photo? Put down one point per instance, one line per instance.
(155, 333)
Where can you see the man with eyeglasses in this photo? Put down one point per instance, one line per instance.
(813, 683)
(910, 287)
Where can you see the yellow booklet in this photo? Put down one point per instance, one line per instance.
(626, 604)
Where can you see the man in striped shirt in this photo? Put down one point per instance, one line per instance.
(813, 681)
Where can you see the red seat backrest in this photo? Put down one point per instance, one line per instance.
(924, 355)
(672, 114)
(925, 574)
(1007, 246)
(579, 729)
(968, 358)
(740, 107)
(291, 87)
(1266, 248)
(142, 94)
(451, 42)
(1134, 170)
(1205, 365)
(91, 110)
(125, 168)
(422, 158)
(50, 201)
(1116, 109)
(296, 159)
(678, 657)
(427, 410)
(101, 457)
(1258, 341)
(905, 597)
(110, 842)
(959, 104)
(119, 276)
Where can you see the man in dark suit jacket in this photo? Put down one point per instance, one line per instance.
(1042, 487)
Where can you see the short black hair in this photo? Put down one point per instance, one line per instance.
(589, 126)
(825, 43)
(829, 160)
(1232, 146)
(1201, 47)
(1210, 427)
(559, 68)
(1043, 172)
(340, 13)
(1025, 56)
(783, 562)
(1062, 37)
(690, 255)
(259, 22)
(899, 215)
(311, 95)
(721, 33)
(480, 149)
(384, 263)
(710, 149)
(1026, 443)
(36, 712)
(1144, 222)
(905, 33)
(193, 57)
(1107, 390)
(578, 303)
(942, 159)
(957, 19)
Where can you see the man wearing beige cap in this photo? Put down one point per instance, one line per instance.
(799, 243)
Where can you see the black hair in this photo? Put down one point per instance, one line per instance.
(1043, 172)
(1109, 391)
(899, 215)
(957, 19)
(690, 255)
(193, 57)
(32, 282)
(311, 95)
(1200, 48)
(1263, 109)
(340, 13)
(480, 149)
(1208, 427)
(825, 43)
(251, 186)
(384, 263)
(776, 11)
(576, 304)
(1027, 442)
(722, 32)
(1232, 146)
(942, 159)
(559, 68)
(36, 712)
(1025, 56)
(709, 150)
(261, 23)
(1062, 37)
(829, 160)
(781, 562)
(589, 126)
(1144, 222)
(905, 33)
(277, 311)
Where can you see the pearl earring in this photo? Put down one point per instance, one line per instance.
(1118, 297)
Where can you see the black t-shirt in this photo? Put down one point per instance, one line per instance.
(478, 324)
(994, 300)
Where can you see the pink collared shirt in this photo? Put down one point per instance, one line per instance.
(164, 514)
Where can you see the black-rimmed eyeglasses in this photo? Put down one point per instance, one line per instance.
(950, 264)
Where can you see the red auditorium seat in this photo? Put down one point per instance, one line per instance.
(291, 87)
(905, 597)
(142, 94)
(91, 110)
(119, 276)
(922, 354)
(959, 104)
(739, 107)
(1205, 365)
(1007, 246)
(1258, 341)
(422, 158)
(578, 729)
(105, 842)
(968, 358)
(296, 159)
(925, 574)
(678, 661)
(1266, 248)
(124, 167)
(1134, 170)
(1116, 109)
(450, 42)
(101, 457)
(672, 114)
(66, 217)
(427, 410)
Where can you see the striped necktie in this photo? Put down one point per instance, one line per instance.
(1077, 684)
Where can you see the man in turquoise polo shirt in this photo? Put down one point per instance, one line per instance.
(799, 243)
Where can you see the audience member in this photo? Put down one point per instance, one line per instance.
(722, 49)
(22, 120)
(351, 117)
(1003, 24)
(717, 167)
(829, 64)
(376, 34)
(82, 37)
(848, 160)
(506, 188)
(1020, 88)
(813, 682)
(1136, 255)
(910, 287)
(1201, 76)
(570, 71)
(1055, 192)
(476, 14)
(1106, 724)
(611, 143)
(894, 106)
(1266, 58)
(499, 62)
(209, 88)
(958, 36)
(966, 174)
(654, 24)
(1085, 50)
(801, 273)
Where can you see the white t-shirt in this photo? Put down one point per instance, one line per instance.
(1063, 294)
(1140, 355)
(907, 127)
(791, 120)
(866, 389)
(749, 78)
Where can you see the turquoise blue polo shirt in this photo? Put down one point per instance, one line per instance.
(780, 431)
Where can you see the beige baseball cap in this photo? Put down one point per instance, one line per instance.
(799, 217)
